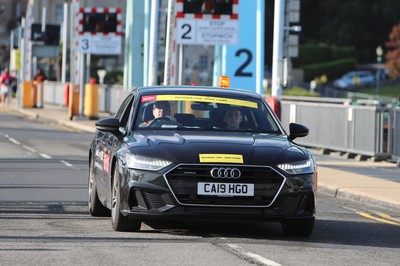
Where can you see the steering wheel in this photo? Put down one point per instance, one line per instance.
(158, 119)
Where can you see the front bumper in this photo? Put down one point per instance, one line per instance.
(172, 195)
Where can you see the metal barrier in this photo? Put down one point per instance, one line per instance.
(396, 136)
(360, 130)
(53, 93)
(110, 97)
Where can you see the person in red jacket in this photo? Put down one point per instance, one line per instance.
(40, 76)
(5, 86)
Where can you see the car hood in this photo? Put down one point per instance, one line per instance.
(188, 147)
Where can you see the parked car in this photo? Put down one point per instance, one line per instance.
(354, 79)
(173, 152)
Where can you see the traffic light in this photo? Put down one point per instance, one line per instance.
(214, 7)
(110, 23)
(100, 22)
(89, 22)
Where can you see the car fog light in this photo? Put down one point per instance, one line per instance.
(299, 181)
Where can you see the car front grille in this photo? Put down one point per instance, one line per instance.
(183, 181)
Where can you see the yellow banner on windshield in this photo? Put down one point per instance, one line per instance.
(207, 99)
(221, 158)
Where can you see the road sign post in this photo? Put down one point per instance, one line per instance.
(244, 62)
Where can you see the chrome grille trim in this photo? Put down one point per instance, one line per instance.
(210, 166)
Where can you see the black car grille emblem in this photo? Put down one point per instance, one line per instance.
(228, 173)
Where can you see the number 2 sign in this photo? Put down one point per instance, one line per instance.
(244, 62)
(207, 32)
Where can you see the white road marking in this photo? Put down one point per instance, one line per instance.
(16, 142)
(29, 149)
(254, 256)
(45, 156)
(67, 163)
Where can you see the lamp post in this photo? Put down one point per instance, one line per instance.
(379, 53)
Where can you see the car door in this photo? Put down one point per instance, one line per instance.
(107, 146)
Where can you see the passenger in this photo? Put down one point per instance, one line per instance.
(160, 109)
(233, 118)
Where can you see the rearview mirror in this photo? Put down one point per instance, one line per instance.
(108, 124)
(201, 107)
(297, 131)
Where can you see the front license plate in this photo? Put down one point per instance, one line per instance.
(225, 189)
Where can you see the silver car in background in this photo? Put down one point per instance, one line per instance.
(355, 79)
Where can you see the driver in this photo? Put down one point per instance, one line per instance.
(160, 109)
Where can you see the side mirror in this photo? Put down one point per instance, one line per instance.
(108, 124)
(297, 131)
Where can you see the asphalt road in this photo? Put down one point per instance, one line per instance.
(44, 218)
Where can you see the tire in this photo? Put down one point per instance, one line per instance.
(298, 228)
(96, 208)
(119, 221)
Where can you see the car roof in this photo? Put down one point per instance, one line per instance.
(202, 90)
(359, 72)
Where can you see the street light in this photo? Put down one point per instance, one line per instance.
(379, 53)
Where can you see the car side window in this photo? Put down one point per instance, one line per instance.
(124, 110)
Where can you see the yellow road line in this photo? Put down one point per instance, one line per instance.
(369, 216)
(386, 216)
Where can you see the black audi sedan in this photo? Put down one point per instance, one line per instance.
(200, 153)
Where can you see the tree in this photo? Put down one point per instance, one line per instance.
(393, 52)
(363, 24)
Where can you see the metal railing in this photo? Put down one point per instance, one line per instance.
(396, 135)
(110, 97)
(364, 130)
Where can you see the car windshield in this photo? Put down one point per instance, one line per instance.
(204, 112)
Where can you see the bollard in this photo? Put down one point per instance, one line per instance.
(66, 94)
(34, 94)
(38, 94)
(27, 94)
(91, 103)
(73, 104)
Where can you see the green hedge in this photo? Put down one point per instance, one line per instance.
(332, 69)
(343, 52)
(312, 54)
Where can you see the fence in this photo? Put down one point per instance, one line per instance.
(339, 126)
(334, 124)
(110, 97)
(396, 135)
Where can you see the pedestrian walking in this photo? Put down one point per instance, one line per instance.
(5, 86)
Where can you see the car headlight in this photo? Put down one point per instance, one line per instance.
(296, 168)
(145, 163)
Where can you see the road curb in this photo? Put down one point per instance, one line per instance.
(343, 194)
